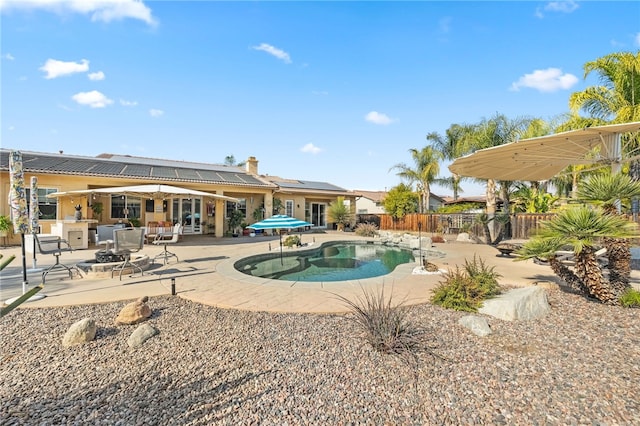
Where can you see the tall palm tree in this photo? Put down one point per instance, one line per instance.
(449, 146)
(495, 131)
(581, 228)
(616, 99)
(427, 166)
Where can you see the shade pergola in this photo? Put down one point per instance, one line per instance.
(542, 158)
(154, 191)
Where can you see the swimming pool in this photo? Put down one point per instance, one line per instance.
(335, 261)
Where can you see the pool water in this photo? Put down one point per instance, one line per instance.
(329, 262)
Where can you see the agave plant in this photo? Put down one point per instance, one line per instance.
(582, 229)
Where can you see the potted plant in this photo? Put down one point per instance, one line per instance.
(96, 208)
(5, 226)
(234, 220)
(339, 213)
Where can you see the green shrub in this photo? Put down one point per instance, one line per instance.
(465, 289)
(291, 240)
(485, 278)
(384, 325)
(630, 298)
(455, 292)
(366, 229)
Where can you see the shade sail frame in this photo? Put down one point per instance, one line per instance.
(155, 191)
(542, 158)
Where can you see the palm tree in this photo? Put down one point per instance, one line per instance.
(448, 146)
(581, 228)
(427, 167)
(610, 191)
(495, 131)
(616, 100)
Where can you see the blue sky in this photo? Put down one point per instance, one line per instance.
(327, 91)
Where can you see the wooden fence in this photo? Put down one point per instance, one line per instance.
(522, 225)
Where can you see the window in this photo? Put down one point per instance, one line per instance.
(48, 206)
(125, 207)
(288, 208)
(231, 206)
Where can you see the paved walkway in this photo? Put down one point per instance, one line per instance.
(205, 274)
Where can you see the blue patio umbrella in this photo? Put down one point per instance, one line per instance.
(279, 221)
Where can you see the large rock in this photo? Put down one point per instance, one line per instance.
(478, 325)
(141, 334)
(525, 303)
(134, 312)
(80, 332)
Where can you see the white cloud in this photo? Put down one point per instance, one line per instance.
(637, 39)
(124, 102)
(568, 6)
(311, 148)
(278, 53)
(94, 99)
(549, 80)
(156, 112)
(378, 118)
(99, 10)
(55, 68)
(8, 57)
(96, 76)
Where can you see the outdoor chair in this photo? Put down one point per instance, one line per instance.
(125, 242)
(55, 246)
(165, 239)
(104, 235)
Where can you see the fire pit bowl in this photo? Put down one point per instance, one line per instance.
(93, 269)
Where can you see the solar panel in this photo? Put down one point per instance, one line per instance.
(74, 166)
(107, 168)
(163, 172)
(137, 170)
(188, 174)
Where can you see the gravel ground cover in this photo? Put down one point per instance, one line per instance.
(579, 365)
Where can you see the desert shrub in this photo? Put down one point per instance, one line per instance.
(485, 277)
(384, 325)
(291, 240)
(455, 292)
(630, 298)
(465, 289)
(366, 229)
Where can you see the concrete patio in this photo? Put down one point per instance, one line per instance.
(205, 274)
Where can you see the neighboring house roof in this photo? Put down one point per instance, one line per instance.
(305, 186)
(375, 196)
(121, 166)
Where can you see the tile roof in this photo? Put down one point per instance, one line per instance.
(120, 166)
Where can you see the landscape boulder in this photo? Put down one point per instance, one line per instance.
(80, 332)
(141, 334)
(525, 303)
(478, 325)
(134, 312)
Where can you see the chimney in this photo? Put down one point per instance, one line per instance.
(252, 165)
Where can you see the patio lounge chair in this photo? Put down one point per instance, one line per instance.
(125, 242)
(165, 239)
(55, 246)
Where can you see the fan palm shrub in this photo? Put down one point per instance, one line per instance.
(612, 192)
(582, 229)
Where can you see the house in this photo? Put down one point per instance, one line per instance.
(371, 202)
(257, 194)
